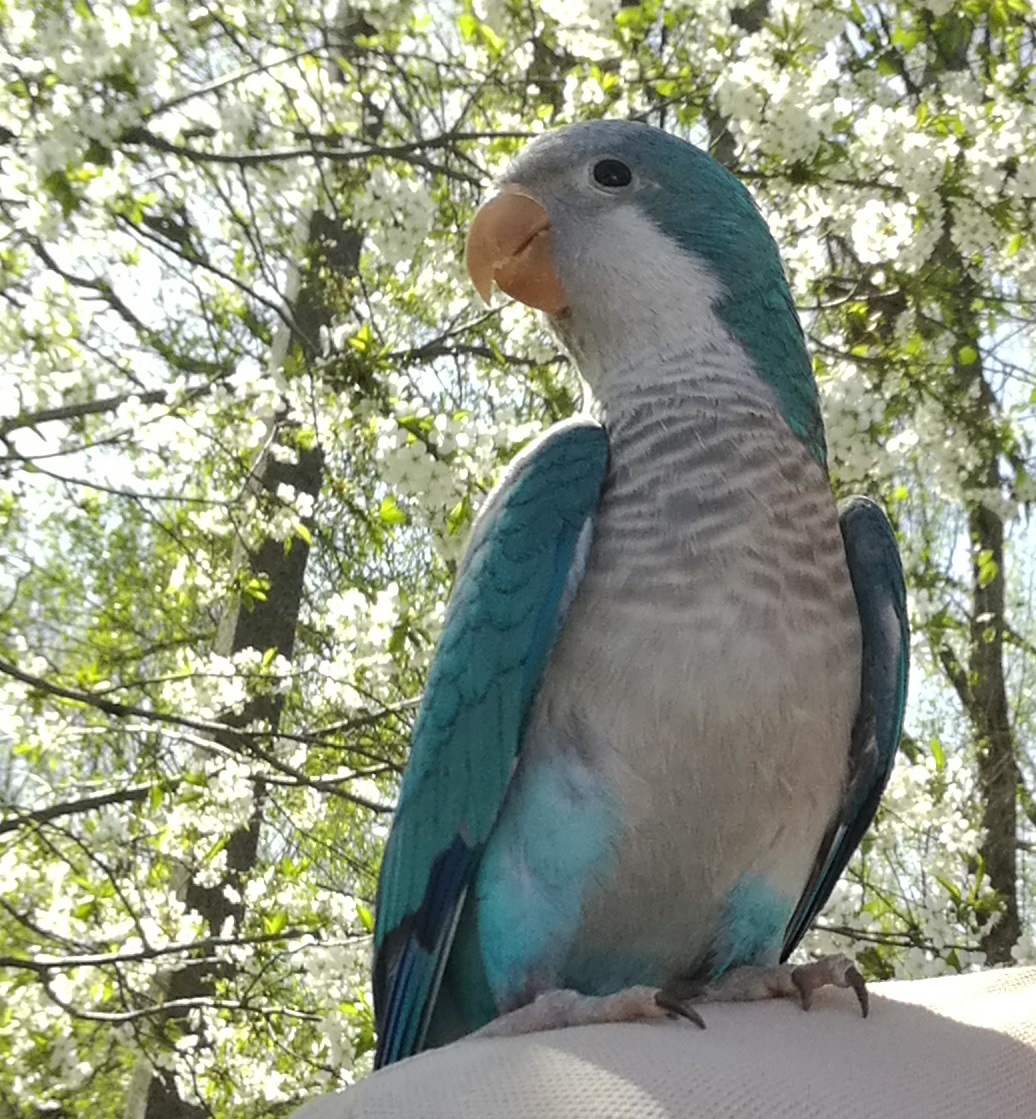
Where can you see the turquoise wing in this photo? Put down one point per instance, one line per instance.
(877, 578)
(520, 572)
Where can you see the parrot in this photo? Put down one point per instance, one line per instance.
(670, 684)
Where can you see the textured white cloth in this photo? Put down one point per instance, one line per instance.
(953, 1048)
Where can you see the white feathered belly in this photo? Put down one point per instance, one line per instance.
(709, 670)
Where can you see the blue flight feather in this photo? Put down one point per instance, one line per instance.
(504, 617)
(877, 578)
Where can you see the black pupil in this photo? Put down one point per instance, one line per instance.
(612, 173)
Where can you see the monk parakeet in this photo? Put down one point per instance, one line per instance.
(671, 680)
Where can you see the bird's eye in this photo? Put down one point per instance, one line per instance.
(612, 173)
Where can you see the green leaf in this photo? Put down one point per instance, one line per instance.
(98, 153)
(889, 64)
(57, 184)
(362, 340)
(967, 355)
(366, 916)
(986, 567)
(397, 642)
(255, 589)
(951, 888)
(491, 39)
(907, 38)
(276, 924)
(473, 30)
(390, 513)
(632, 18)
(939, 755)
(458, 516)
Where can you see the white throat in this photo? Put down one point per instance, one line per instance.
(650, 319)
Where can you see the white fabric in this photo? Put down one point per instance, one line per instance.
(953, 1048)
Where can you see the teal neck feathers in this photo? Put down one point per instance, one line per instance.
(723, 228)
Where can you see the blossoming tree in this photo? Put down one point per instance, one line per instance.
(249, 407)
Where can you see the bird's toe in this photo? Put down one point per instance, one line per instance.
(830, 971)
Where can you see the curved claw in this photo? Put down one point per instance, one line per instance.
(855, 980)
(679, 1008)
(836, 971)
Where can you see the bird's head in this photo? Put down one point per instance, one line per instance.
(644, 253)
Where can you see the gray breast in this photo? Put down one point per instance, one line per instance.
(709, 667)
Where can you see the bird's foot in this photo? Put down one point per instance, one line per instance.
(746, 984)
(553, 1010)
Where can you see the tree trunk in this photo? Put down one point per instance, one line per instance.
(267, 624)
(271, 623)
(985, 694)
(997, 765)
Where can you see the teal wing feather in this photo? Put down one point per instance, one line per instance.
(877, 578)
(517, 580)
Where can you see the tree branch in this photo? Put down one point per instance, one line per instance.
(407, 153)
(78, 411)
(43, 966)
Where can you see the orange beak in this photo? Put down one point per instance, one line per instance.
(509, 245)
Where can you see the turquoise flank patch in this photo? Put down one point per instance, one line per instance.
(752, 926)
(552, 843)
